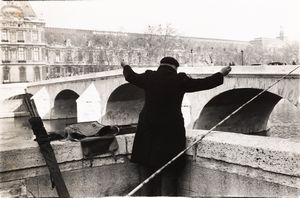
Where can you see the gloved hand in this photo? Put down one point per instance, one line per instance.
(225, 70)
(123, 63)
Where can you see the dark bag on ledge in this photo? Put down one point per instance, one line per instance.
(95, 138)
(104, 141)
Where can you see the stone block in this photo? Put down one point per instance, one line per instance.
(122, 150)
(191, 137)
(267, 153)
(27, 154)
(206, 182)
(107, 180)
(13, 189)
(129, 142)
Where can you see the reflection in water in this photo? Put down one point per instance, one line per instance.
(284, 122)
(19, 128)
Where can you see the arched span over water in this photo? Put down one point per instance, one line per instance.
(124, 105)
(250, 119)
(65, 105)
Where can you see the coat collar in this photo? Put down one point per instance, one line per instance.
(165, 68)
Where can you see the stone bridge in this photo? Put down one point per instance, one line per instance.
(108, 98)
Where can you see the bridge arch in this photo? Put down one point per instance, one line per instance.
(65, 105)
(250, 119)
(124, 105)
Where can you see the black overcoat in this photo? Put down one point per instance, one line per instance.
(160, 133)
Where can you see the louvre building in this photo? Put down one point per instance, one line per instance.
(30, 51)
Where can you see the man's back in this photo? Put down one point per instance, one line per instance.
(163, 95)
(160, 133)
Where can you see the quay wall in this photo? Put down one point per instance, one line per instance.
(223, 164)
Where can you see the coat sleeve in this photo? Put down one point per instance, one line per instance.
(189, 84)
(138, 80)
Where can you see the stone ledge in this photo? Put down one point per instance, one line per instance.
(275, 155)
(267, 153)
(64, 167)
(26, 154)
(259, 174)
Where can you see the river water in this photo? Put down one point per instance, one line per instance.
(20, 129)
(284, 122)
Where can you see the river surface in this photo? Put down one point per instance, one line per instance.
(20, 129)
(284, 122)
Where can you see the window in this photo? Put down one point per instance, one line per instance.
(46, 55)
(28, 36)
(21, 54)
(90, 60)
(68, 56)
(13, 54)
(20, 36)
(22, 71)
(34, 36)
(5, 55)
(6, 75)
(80, 56)
(57, 72)
(4, 36)
(13, 36)
(35, 54)
(28, 54)
(37, 75)
(57, 56)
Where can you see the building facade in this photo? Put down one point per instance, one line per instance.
(22, 44)
(29, 51)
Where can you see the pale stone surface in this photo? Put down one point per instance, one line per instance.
(42, 101)
(13, 189)
(267, 153)
(129, 142)
(101, 181)
(254, 173)
(27, 154)
(121, 139)
(89, 105)
(224, 164)
(192, 136)
(102, 160)
(205, 182)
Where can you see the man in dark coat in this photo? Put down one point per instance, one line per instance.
(161, 133)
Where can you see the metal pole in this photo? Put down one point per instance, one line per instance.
(242, 51)
(192, 57)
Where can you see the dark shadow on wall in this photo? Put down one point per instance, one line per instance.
(65, 105)
(124, 105)
(251, 119)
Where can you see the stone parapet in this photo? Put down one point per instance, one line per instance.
(265, 158)
(271, 161)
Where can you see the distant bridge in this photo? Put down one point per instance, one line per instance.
(108, 98)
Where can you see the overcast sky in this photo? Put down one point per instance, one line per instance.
(224, 19)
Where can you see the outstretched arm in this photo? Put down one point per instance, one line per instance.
(192, 85)
(132, 77)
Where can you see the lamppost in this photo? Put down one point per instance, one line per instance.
(242, 52)
(192, 58)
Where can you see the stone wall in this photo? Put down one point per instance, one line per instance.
(223, 164)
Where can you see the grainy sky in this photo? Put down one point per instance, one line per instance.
(224, 19)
